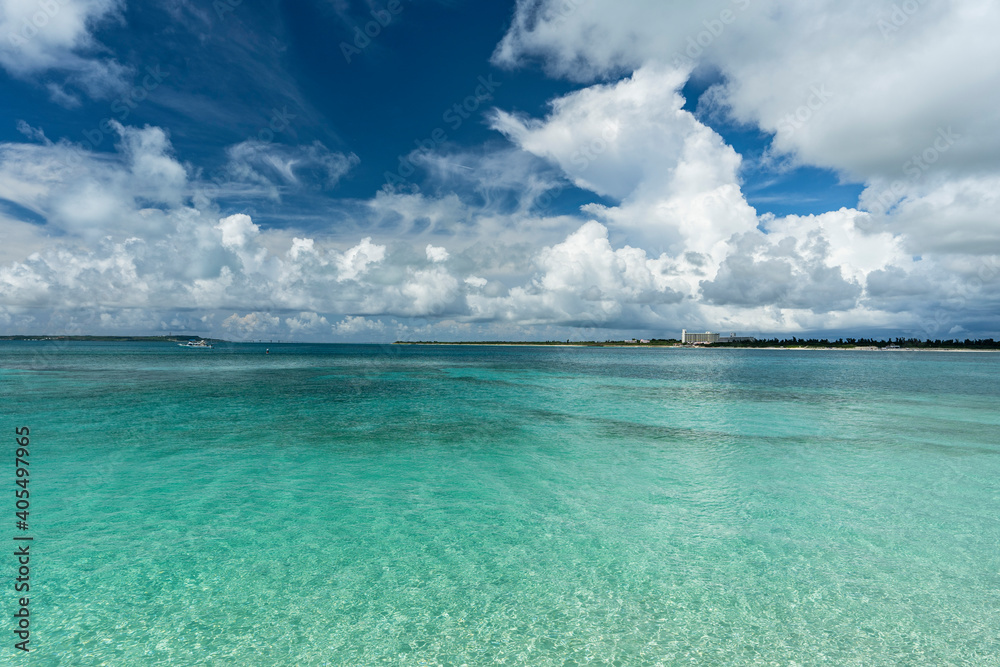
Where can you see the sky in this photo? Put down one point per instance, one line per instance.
(370, 171)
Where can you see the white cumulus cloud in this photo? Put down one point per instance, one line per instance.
(42, 35)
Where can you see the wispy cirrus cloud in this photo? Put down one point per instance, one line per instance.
(276, 166)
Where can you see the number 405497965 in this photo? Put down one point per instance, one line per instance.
(21, 470)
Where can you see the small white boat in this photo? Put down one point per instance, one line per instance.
(197, 343)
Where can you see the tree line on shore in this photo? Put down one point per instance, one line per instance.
(909, 343)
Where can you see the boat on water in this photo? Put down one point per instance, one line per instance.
(197, 343)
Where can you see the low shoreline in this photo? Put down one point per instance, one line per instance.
(868, 349)
(699, 347)
(578, 344)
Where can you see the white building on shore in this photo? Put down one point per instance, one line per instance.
(690, 338)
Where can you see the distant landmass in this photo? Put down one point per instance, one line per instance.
(854, 343)
(576, 343)
(142, 339)
(790, 343)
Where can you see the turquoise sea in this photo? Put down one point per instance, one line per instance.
(398, 505)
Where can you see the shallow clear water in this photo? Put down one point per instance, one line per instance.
(395, 505)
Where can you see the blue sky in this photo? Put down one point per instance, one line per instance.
(222, 82)
(568, 169)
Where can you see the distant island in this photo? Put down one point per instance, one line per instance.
(563, 343)
(769, 343)
(762, 343)
(119, 339)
